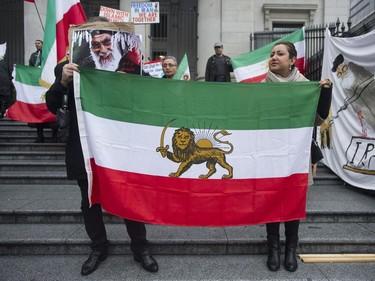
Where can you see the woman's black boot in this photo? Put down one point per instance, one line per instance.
(273, 261)
(290, 261)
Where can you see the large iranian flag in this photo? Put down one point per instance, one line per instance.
(31, 103)
(60, 15)
(196, 154)
(253, 66)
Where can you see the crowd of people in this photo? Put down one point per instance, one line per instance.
(281, 69)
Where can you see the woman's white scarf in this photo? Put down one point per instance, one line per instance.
(294, 76)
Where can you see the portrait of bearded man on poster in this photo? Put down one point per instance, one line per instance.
(108, 50)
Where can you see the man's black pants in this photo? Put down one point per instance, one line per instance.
(94, 225)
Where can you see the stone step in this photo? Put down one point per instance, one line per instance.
(31, 165)
(32, 155)
(60, 203)
(34, 177)
(71, 239)
(9, 122)
(21, 131)
(12, 146)
(19, 138)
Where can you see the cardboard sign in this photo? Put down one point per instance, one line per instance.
(145, 12)
(111, 46)
(114, 15)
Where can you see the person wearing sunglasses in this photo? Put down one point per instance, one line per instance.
(218, 66)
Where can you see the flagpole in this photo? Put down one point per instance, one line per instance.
(41, 23)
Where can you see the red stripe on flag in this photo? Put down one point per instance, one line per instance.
(199, 202)
(32, 113)
(31, 1)
(254, 79)
(75, 15)
(300, 64)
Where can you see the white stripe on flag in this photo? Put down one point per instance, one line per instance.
(62, 9)
(30, 94)
(257, 154)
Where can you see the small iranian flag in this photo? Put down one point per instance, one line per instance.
(196, 154)
(253, 66)
(31, 104)
(183, 71)
(60, 15)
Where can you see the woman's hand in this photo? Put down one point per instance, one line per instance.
(326, 83)
(67, 73)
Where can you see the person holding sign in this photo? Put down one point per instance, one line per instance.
(92, 214)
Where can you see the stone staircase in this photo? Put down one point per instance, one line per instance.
(40, 214)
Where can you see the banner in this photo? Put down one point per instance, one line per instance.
(169, 152)
(348, 136)
(253, 66)
(154, 68)
(31, 102)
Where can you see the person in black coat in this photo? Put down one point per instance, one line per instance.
(92, 216)
(218, 67)
(36, 57)
(7, 89)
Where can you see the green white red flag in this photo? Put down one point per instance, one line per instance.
(60, 15)
(254, 138)
(31, 103)
(183, 71)
(253, 66)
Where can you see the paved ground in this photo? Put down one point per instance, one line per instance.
(189, 267)
(117, 267)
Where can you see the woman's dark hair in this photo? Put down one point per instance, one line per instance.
(291, 49)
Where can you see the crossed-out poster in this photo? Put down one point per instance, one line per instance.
(108, 46)
(348, 135)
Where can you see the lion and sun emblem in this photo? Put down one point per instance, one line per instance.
(189, 149)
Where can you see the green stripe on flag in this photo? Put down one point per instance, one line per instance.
(262, 53)
(28, 75)
(235, 106)
(50, 30)
(181, 68)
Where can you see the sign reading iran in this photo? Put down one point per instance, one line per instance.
(114, 15)
(197, 154)
(144, 12)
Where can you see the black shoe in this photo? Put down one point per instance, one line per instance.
(92, 263)
(273, 260)
(290, 262)
(147, 261)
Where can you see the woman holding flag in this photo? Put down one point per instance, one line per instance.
(282, 69)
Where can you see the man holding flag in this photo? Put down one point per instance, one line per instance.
(92, 213)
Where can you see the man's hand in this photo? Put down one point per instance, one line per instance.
(67, 73)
